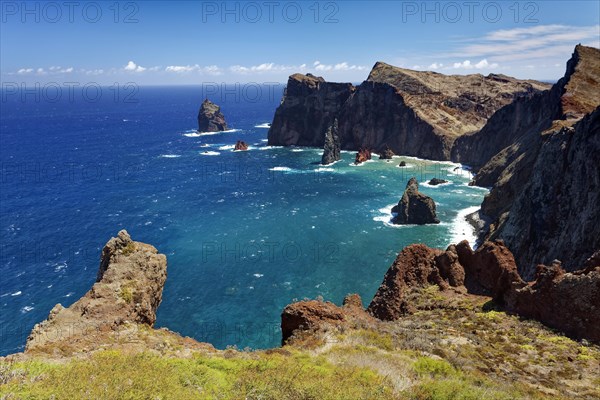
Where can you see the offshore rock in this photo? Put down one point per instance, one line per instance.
(210, 118)
(414, 207)
(331, 149)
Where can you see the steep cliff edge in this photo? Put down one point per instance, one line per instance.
(410, 112)
(128, 291)
(546, 171)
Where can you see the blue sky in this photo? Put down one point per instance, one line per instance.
(151, 42)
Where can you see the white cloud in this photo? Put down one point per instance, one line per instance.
(467, 64)
(435, 66)
(343, 66)
(24, 71)
(133, 67)
(182, 69)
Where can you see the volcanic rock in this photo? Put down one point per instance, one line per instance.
(210, 118)
(387, 154)
(437, 181)
(331, 149)
(362, 156)
(240, 145)
(414, 207)
(402, 164)
(128, 290)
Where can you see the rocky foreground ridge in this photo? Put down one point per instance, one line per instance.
(429, 330)
(408, 112)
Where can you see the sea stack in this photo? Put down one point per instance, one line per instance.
(240, 145)
(331, 149)
(414, 207)
(210, 118)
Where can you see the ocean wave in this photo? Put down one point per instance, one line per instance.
(194, 133)
(270, 147)
(297, 150)
(227, 147)
(266, 125)
(461, 229)
(283, 169)
(324, 169)
(16, 293)
(26, 309)
(258, 275)
(210, 153)
(170, 156)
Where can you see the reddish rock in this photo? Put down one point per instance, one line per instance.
(362, 156)
(308, 315)
(569, 302)
(240, 145)
(450, 268)
(490, 270)
(414, 266)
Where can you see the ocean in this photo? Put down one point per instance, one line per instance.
(245, 233)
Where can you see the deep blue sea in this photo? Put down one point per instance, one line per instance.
(245, 233)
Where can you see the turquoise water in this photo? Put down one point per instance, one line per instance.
(245, 233)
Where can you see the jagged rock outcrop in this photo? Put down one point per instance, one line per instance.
(240, 145)
(331, 149)
(540, 154)
(569, 302)
(414, 207)
(362, 155)
(314, 314)
(210, 118)
(128, 290)
(411, 112)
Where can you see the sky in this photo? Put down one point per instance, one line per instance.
(182, 43)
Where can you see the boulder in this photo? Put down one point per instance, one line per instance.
(437, 181)
(414, 207)
(387, 154)
(362, 156)
(240, 145)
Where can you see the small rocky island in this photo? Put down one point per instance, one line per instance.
(210, 118)
(437, 181)
(414, 207)
(240, 145)
(362, 156)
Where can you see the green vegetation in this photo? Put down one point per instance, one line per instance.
(115, 374)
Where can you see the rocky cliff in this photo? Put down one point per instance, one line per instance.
(210, 118)
(410, 112)
(540, 155)
(128, 291)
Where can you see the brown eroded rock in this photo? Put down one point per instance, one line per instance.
(569, 302)
(413, 267)
(362, 156)
(387, 154)
(240, 145)
(490, 270)
(314, 314)
(128, 290)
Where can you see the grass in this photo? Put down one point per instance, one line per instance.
(115, 374)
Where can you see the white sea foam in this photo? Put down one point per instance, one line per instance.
(227, 147)
(264, 140)
(461, 229)
(26, 309)
(194, 133)
(258, 275)
(16, 293)
(60, 267)
(170, 156)
(286, 169)
(270, 147)
(210, 153)
(324, 169)
(265, 125)
(297, 150)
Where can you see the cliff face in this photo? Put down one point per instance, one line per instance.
(540, 154)
(128, 290)
(413, 113)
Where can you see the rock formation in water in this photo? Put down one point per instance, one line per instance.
(540, 154)
(387, 154)
(565, 301)
(240, 145)
(437, 181)
(410, 112)
(362, 155)
(128, 290)
(414, 207)
(331, 149)
(210, 118)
